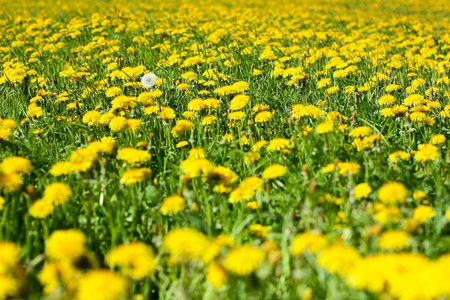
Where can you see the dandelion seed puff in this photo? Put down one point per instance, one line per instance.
(148, 80)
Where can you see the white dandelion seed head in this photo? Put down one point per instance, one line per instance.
(148, 80)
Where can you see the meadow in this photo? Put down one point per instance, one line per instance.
(284, 150)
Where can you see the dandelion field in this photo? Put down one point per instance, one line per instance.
(285, 151)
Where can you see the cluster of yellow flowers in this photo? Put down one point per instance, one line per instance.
(263, 147)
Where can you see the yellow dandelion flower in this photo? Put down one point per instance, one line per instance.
(338, 259)
(360, 131)
(279, 144)
(274, 171)
(387, 99)
(392, 193)
(118, 123)
(324, 127)
(216, 275)
(172, 204)
(393, 240)
(313, 242)
(133, 176)
(10, 182)
(41, 209)
(196, 104)
(133, 156)
(243, 260)
(263, 116)
(92, 118)
(104, 284)
(259, 230)
(426, 152)
(16, 164)
(57, 193)
(196, 167)
(362, 190)
(136, 260)
(437, 139)
(423, 213)
(185, 243)
(239, 102)
(113, 91)
(65, 244)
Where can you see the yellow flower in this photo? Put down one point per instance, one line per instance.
(196, 167)
(259, 230)
(182, 144)
(60, 168)
(41, 209)
(338, 259)
(134, 176)
(118, 124)
(360, 131)
(181, 127)
(216, 275)
(172, 204)
(92, 118)
(324, 127)
(208, 120)
(185, 243)
(253, 205)
(196, 152)
(362, 190)
(426, 152)
(393, 240)
(167, 113)
(423, 213)
(237, 115)
(55, 273)
(419, 195)
(57, 193)
(413, 100)
(239, 194)
(313, 242)
(252, 183)
(34, 111)
(239, 87)
(136, 260)
(65, 244)
(196, 104)
(274, 171)
(243, 260)
(323, 83)
(104, 284)
(386, 100)
(279, 144)
(392, 192)
(133, 156)
(113, 91)
(212, 103)
(106, 118)
(259, 144)
(8, 287)
(224, 175)
(2, 202)
(133, 125)
(263, 116)
(348, 167)
(10, 182)
(16, 164)
(399, 154)
(438, 139)
(9, 256)
(227, 137)
(5, 133)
